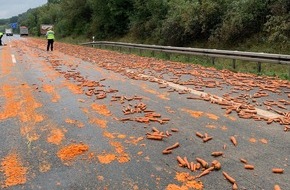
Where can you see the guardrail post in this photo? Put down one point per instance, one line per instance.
(140, 51)
(289, 71)
(234, 64)
(259, 67)
(153, 53)
(212, 60)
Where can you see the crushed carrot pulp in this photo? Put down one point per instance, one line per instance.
(71, 151)
(15, 173)
(55, 136)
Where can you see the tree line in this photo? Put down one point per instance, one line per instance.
(210, 23)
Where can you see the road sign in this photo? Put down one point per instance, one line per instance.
(14, 25)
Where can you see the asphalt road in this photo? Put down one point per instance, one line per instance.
(79, 118)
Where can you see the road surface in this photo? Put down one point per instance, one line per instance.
(83, 118)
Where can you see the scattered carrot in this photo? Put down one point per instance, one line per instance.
(225, 146)
(244, 161)
(166, 152)
(249, 167)
(229, 178)
(277, 187)
(153, 137)
(187, 163)
(206, 139)
(235, 186)
(197, 166)
(216, 164)
(234, 141)
(154, 129)
(173, 146)
(192, 167)
(203, 163)
(278, 170)
(181, 161)
(199, 135)
(216, 154)
(174, 130)
(205, 172)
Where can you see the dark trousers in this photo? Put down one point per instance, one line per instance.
(50, 44)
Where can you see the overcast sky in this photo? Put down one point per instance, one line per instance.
(10, 8)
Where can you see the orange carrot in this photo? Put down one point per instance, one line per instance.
(235, 186)
(216, 154)
(216, 164)
(153, 137)
(244, 161)
(173, 146)
(277, 187)
(166, 152)
(205, 172)
(278, 170)
(229, 178)
(192, 166)
(199, 135)
(203, 163)
(187, 163)
(197, 166)
(181, 161)
(154, 129)
(207, 139)
(225, 146)
(174, 130)
(234, 141)
(249, 167)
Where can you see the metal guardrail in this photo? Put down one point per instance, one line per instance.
(213, 53)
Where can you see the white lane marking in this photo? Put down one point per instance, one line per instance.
(13, 58)
(199, 93)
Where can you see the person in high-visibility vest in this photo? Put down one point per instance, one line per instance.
(50, 39)
(1, 35)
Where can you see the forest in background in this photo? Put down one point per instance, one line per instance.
(256, 25)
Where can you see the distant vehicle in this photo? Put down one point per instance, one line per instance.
(23, 31)
(8, 32)
(44, 28)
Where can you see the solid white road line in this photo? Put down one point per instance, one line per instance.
(13, 58)
(199, 93)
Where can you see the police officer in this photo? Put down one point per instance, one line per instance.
(50, 39)
(1, 35)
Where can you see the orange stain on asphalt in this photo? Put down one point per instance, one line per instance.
(163, 96)
(73, 87)
(12, 107)
(187, 181)
(14, 171)
(106, 158)
(44, 167)
(101, 109)
(75, 122)
(212, 116)
(71, 151)
(101, 123)
(195, 114)
(122, 157)
(108, 135)
(51, 90)
(7, 64)
(55, 136)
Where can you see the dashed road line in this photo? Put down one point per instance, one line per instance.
(13, 58)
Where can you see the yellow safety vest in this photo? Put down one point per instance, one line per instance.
(50, 35)
(1, 34)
